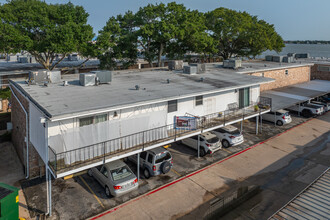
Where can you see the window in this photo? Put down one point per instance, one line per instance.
(105, 172)
(199, 100)
(100, 118)
(93, 120)
(143, 155)
(172, 106)
(244, 97)
(286, 72)
(150, 158)
(85, 121)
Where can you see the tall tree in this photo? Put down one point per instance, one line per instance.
(118, 42)
(44, 30)
(240, 34)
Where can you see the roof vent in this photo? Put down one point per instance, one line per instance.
(202, 79)
(65, 83)
(137, 87)
(168, 81)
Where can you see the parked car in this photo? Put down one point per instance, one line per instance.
(229, 136)
(209, 143)
(281, 117)
(154, 162)
(325, 98)
(307, 109)
(325, 104)
(115, 177)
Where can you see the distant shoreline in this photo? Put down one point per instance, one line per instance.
(307, 42)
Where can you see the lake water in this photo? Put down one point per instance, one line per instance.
(314, 50)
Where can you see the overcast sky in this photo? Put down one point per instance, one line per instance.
(293, 19)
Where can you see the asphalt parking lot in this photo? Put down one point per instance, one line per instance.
(82, 196)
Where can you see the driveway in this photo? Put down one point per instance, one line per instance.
(282, 166)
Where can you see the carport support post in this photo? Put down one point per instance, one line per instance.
(257, 123)
(260, 123)
(49, 192)
(299, 110)
(198, 147)
(138, 166)
(241, 126)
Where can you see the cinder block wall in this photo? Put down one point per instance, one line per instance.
(295, 75)
(18, 136)
(323, 75)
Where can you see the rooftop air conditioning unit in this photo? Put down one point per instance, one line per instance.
(232, 63)
(103, 76)
(200, 67)
(175, 64)
(87, 79)
(278, 59)
(269, 58)
(190, 70)
(54, 76)
(38, 77)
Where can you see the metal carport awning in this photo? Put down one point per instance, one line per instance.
(294, 94)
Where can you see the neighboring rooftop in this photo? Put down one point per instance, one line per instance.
(57, 100)
(312, 203)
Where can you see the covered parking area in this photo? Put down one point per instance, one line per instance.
(296, 94)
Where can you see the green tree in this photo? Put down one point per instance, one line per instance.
(117, 41)
(240, 34)
(44, 30)
(171, 30)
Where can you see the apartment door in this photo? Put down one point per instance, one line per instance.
(244, 97)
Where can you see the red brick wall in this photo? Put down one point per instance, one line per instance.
(295, 75)
(316, 74)
(18, 136)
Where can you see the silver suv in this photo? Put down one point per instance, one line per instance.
(154, 162)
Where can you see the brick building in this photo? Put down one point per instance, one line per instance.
(321, 71)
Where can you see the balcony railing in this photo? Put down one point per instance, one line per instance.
(64, 161)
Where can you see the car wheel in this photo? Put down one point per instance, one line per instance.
(90, 173)
(202, 152)
(146, 173)
(107, 191)
(279, 123)
(165, 167)
(225, 143)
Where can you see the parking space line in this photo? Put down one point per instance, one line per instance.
(226, 150)
(176, 172)
(97, 198)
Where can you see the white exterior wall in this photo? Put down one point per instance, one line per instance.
(37, 131)
(133, 120)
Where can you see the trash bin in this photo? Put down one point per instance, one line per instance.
(8, 202)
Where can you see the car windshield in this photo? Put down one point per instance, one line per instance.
(163, 156)
(213, 140)
(120, 173)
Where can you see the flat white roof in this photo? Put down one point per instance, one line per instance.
(58, 101)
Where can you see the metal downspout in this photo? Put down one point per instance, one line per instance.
(27, 134)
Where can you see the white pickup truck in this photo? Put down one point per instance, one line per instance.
(307, 109)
